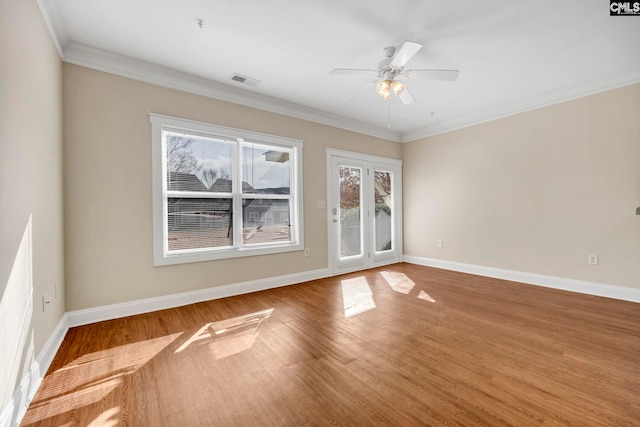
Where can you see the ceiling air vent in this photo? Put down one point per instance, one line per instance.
(244, 80)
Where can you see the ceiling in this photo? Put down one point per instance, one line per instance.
(512, 55)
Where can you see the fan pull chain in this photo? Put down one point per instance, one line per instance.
(389, 114)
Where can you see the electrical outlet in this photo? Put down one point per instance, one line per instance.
(45, 301)
(306, 251)
(440, 244)
(592, 259)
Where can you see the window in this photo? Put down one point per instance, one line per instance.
(221, 193)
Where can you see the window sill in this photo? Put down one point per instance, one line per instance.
(214, 255)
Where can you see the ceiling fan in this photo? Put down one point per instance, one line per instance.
(392, 67)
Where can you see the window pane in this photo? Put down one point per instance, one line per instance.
(209, 178)
(199, 223)
(265, 220)
(198, 163)
(382, 188)
(265, 170)
(350, 235)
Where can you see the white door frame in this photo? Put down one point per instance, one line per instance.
(377, 259)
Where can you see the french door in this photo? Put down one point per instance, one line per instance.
(364, 211)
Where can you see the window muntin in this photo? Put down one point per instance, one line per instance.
(223, 192)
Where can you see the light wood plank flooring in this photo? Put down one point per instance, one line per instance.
(401, 345)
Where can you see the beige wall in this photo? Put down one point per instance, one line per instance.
(31, 260)
(536, 192)
(108, 216)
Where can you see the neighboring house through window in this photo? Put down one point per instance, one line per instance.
(220, 192)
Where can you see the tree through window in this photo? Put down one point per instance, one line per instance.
(224, 193)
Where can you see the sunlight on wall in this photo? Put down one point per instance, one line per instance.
(230, 336)
(356, 296)
(16, 310)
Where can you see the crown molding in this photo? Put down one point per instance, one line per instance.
(56, 31)
(109, 62)
(137, 69)
(623, 78)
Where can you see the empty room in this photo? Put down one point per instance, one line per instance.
(351, 213)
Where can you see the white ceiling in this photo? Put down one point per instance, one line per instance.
(512, 55)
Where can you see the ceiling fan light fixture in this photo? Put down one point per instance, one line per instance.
(384, 89)
(397, 87)
(394, 66)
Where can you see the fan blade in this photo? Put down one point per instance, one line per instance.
(447, 75)
(362, 90)
(353, 71)
(405, 53)
(406, 97)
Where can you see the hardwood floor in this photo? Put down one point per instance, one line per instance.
(420, 346)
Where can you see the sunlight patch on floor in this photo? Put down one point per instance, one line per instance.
(399, 282)
(110, 417)
(230, 336)
(86, 395)
(357, 296)
(425, 296)
(91, 377)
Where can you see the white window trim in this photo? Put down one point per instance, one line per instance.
(160, 252)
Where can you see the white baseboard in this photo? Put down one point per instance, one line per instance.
(6, 416)
(14, 410)
(114, 311)
(583, 287)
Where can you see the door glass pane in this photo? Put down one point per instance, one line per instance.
(350, 211)
(383, 217)
(198, 223)
(265, 221)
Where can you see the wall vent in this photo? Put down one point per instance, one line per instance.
(244, 80)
